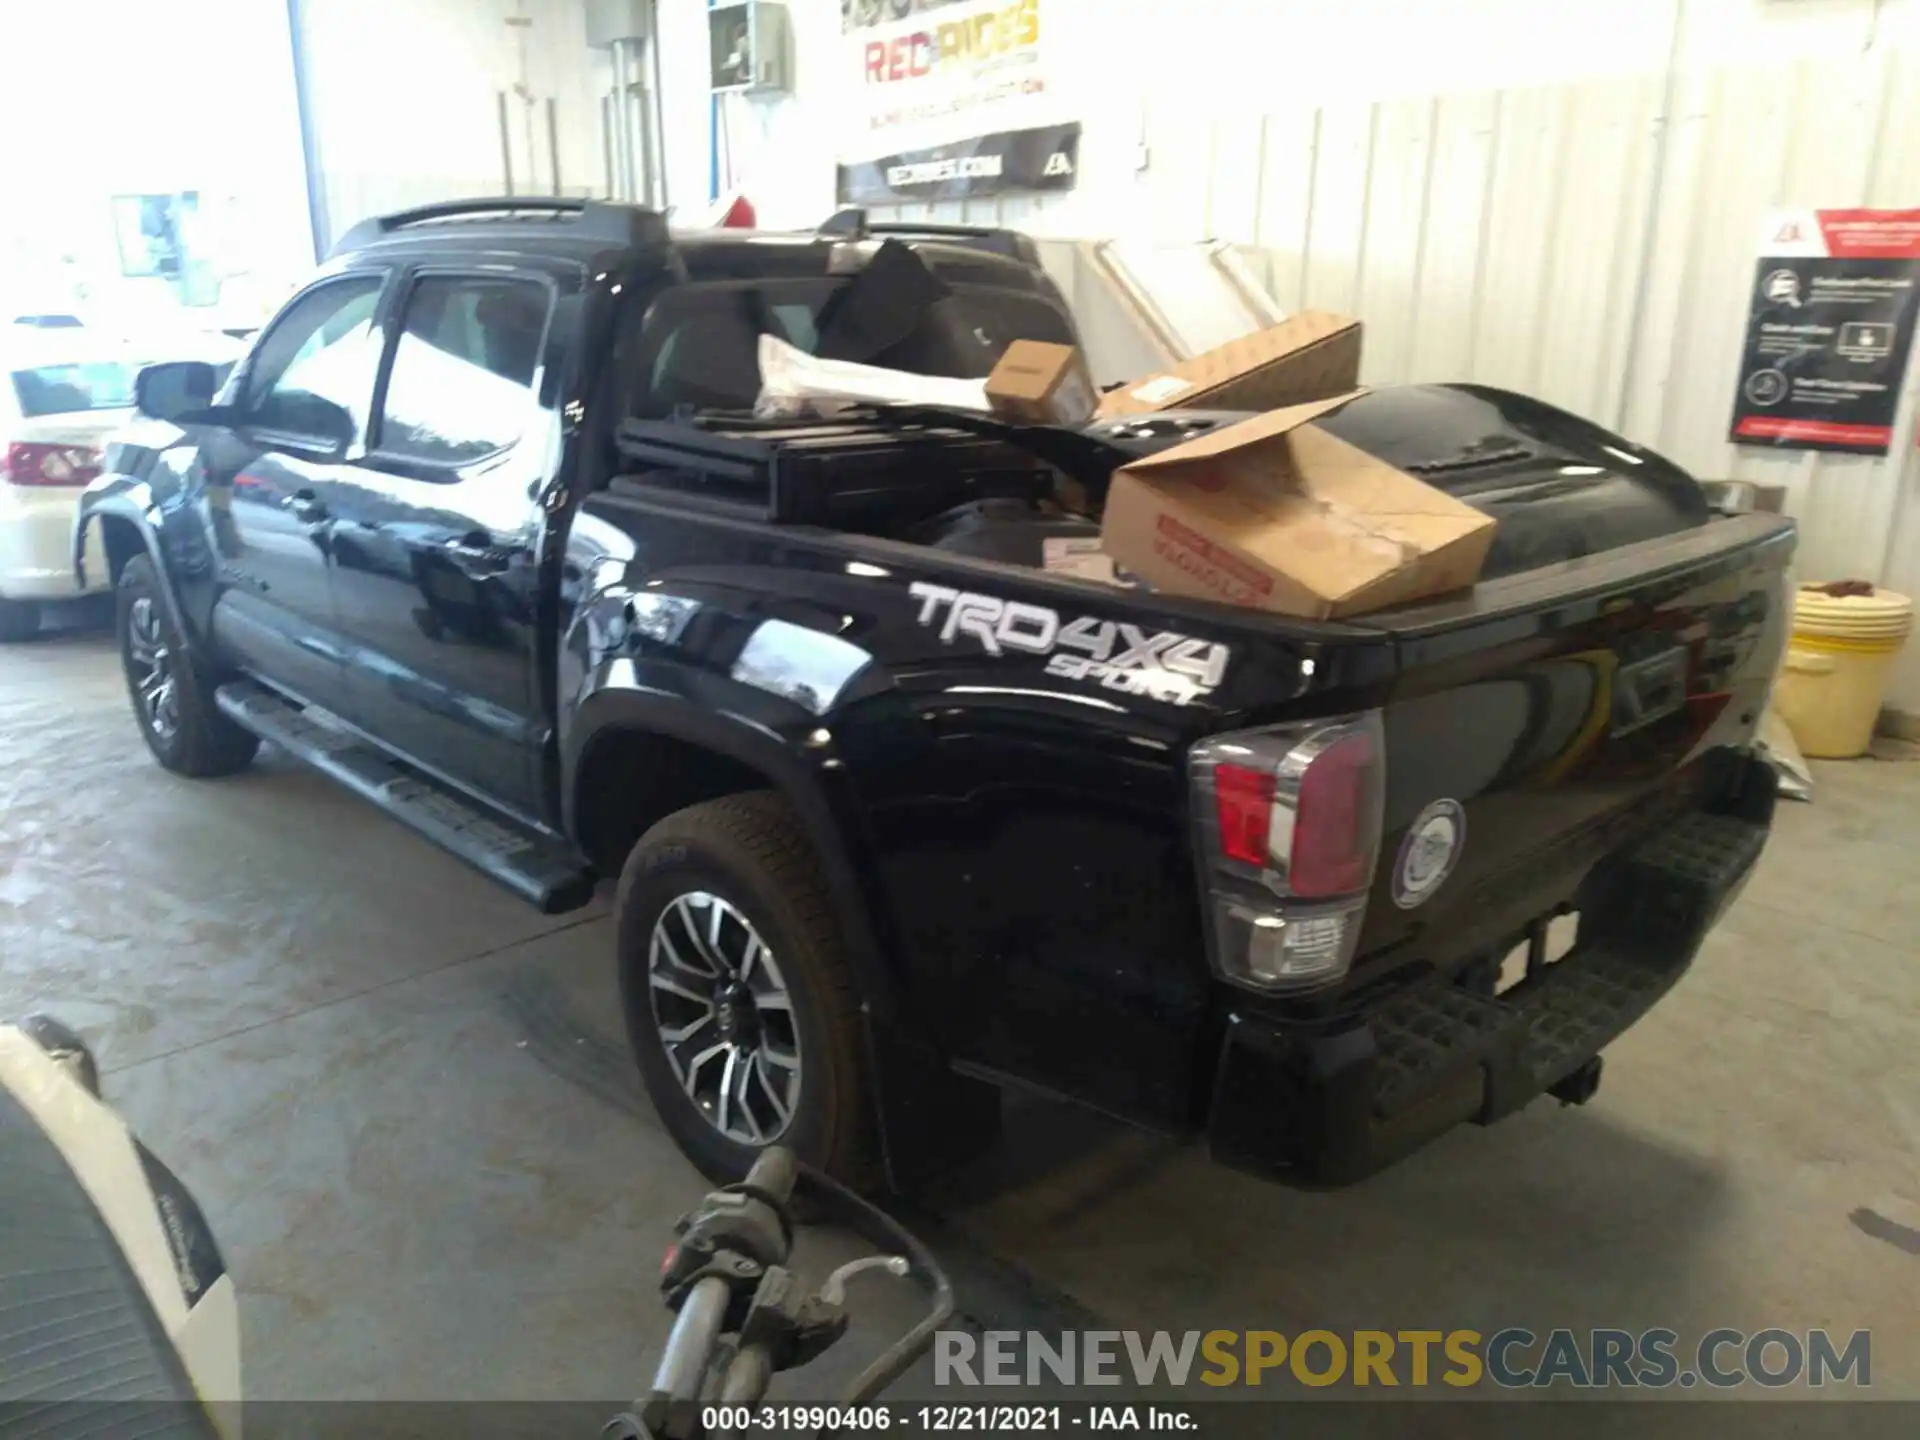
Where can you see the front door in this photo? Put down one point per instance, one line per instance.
(271, 478)
(437, 530)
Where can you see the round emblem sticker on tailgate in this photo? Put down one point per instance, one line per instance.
(1427, 855)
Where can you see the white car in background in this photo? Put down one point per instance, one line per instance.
(63, 392)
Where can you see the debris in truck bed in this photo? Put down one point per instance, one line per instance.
(795, 384)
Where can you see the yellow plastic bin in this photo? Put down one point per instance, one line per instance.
(1836, 668)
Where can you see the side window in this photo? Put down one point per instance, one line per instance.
(461, 387)
(704, 341)
(314, 372)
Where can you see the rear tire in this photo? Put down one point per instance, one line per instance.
(19, 620)
(784, 1042)
(172, 698)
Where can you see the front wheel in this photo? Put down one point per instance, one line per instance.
(739, 1000)
(172, 700)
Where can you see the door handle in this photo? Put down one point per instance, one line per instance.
(306, 506)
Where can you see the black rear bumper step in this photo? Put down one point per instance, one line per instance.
(1324, 1103)
(543, 870)
(1545, 1028)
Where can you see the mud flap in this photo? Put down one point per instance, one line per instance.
(930, 1120)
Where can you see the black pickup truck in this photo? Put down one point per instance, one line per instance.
(485, 529)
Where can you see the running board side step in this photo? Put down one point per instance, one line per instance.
(542, 869)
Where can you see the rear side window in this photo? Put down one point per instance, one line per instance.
(62, 389)
(700, 347)
(462, 382)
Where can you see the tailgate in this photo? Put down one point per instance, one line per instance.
(1556, 714)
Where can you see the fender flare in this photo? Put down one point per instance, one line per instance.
(825, 808)
(120, 498)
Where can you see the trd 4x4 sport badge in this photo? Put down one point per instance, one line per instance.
(1159, 664)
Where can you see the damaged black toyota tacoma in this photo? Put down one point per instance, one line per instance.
(485, 529)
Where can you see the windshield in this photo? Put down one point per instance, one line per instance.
(86, 385)
(700, 346)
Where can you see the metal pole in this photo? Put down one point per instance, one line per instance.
(643, 109)
(616, 127)
(533, 151)
(654, 92)
(606, 141)
(636, 156)
(623, 114)
(317, 218)
(1663, 146)
(506, 140)
(553, 142)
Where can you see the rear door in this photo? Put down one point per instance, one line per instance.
(302, 404)
(437, 527)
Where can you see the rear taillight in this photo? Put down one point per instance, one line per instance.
(1289, 832)
(32, 462)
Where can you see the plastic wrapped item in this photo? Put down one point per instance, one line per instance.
(794, 384)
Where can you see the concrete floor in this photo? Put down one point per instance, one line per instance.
(401, 1098)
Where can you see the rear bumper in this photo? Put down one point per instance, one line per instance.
(1330, 1102)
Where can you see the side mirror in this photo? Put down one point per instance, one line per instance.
(176, 390)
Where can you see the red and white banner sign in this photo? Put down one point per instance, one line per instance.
(951, 99)
(1843, 234)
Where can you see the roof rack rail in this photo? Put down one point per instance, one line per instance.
(852, 224)
(593, 219)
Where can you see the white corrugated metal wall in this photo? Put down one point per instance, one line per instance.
(1572, 211)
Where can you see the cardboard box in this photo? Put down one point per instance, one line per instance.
(1306, 357)
(1042, 384)
(1278, 514)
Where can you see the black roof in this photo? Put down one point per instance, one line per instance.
(962, 254)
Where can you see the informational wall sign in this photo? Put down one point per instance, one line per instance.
(1044, 158)
(950, 100)
(1829, 330)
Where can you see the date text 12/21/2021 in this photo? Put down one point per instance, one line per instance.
(944, 1419)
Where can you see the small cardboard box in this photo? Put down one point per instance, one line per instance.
(1306, 357)
(1278, 514)
(1041, 383)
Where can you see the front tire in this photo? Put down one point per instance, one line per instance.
(19, 620)
(172, 699)
(739, 999)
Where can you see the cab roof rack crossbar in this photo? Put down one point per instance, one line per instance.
(591, 219)
(852, 224)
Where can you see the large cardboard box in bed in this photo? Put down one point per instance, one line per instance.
(1305, 357)
(1279, 514)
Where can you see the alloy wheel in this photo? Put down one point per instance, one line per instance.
(150, 661)
(725, 1017)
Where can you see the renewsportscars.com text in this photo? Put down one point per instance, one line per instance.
(1512, 1358)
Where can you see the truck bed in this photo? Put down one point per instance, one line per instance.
(1017, 744)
